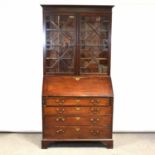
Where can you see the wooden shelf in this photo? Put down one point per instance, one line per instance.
(99, 46)
(48, 67)
(60, 30)
(103, 30)
(94, 58)
(59, 72)
(48, 58)
(93, 73)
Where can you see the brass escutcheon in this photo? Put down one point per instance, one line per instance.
(77, 101)
(77, 129)
(57, 101)
(77, 118)
(98, 100)
(77, 78)
(77, 108)
(92, 101)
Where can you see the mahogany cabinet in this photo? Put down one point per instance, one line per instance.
(77, 96)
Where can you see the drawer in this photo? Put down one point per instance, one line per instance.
(50, 121)
(78, 110)
(64, 101)
(77, 132)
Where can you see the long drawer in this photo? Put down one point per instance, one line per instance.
(78, 110)
(50, 121)
(77, 132)
(67, 101)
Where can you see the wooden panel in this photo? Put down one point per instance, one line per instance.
(78, 110)
(61, 101)
(77, 86)
(77, 132)
(50, 121)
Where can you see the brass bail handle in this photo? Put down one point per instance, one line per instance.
(60, 111)
(95, 132)
(95, 101)
(94, 120)
(77, 78)
(60, 131)
(60, 101)
(95, 110)
(62, 119)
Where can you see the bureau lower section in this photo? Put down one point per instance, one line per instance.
(77, 119)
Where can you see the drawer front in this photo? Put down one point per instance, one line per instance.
(62, 101)
(50, 121)
(78, 110)
(77, 132)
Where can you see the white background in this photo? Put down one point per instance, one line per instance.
(132, 70)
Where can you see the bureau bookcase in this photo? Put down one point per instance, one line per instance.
(77, 95)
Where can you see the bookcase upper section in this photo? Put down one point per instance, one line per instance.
(77, 40)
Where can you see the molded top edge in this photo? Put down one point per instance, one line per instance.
(49, 5)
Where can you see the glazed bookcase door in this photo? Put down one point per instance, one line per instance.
(94, 44)
(60, 44)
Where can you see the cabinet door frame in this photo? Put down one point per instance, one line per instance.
(76, 11)
(44, 46)
(101, 14)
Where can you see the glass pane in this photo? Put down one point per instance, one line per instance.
(94, 44)
(60, 44)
